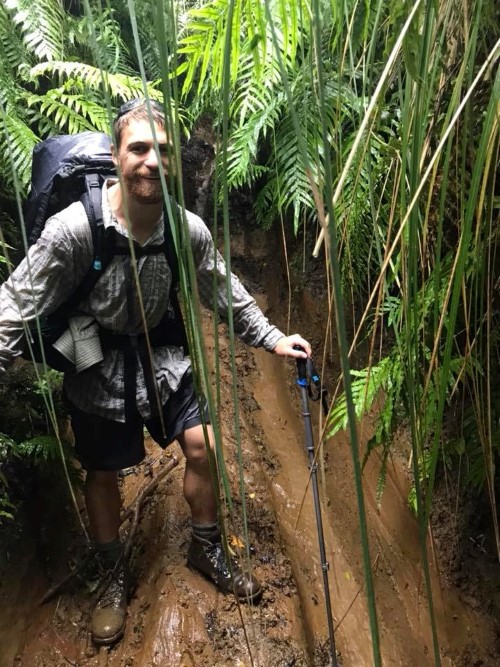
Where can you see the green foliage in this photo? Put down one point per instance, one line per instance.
(202, 41)
(7, 508)
(91, 78)
(16, 144)
(147, 15)
(30, 442)
(383, 383)
(42, 24)
(41, 448)
(258, 102)
(7, 235)
(381, 390)
(103, 26)
(48, 383)
(42, 43)
(424, 466)
(476, 443)
(42, 452)
(264, 148)
(68, 113)
(13, 50)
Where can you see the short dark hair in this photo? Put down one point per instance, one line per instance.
(137, 109)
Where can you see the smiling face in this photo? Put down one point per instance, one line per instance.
(138, 162)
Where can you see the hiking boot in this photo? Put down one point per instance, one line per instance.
(209, 558)
(110, 613)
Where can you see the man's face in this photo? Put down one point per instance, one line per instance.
(138, 161)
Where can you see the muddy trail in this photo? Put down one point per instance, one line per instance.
(176, 618)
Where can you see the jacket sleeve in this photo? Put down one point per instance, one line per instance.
(42, 282)
(250, 324)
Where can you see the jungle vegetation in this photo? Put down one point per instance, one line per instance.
(373, 125)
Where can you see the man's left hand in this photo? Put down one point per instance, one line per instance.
(284, 347)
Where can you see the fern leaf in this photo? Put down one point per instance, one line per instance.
(71, 113)
(245, 142)
(42, 25)
(120, 86)
(12, 50)
(365, 389)
(42, 447)
(17, 142)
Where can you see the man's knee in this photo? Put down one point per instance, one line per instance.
(194, 445)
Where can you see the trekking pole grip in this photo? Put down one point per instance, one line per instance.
(301, 367)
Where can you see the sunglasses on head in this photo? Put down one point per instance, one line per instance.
(129, 106)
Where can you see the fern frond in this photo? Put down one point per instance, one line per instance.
(202, 41)
(102, 32)
(120, 86)
(265, 202)
(77, 77)
(365, 389)
(290, 180)
(42, 25)
(245, 142)
(12, 49)
(16, 143)
(70, 113)
(43, 447)
(202, 48)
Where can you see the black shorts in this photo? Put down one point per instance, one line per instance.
(104, 444)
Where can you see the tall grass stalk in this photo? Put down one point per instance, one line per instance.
(332, 249)
(408, 260)
(368, 116)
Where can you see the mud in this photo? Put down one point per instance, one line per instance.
(176, 618)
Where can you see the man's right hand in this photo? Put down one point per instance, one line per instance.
(285, 347)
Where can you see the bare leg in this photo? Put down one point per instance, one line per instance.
(198, 485)
(103, 500)
(206, 553)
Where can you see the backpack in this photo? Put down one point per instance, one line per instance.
(66, 169)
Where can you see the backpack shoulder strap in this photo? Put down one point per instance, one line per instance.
(102, 243)
(92, 203)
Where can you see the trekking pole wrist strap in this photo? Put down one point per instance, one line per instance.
(308, 374)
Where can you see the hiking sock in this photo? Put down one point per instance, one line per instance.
(109, 553)
(207, 531)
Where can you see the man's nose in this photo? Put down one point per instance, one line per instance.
(152, 159)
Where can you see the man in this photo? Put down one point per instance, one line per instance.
(107, 418)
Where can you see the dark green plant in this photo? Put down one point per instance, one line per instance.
(7, 508)
(42, 454)
(29, 440)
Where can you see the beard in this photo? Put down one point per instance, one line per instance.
(144, 190)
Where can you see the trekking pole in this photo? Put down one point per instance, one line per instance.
(305, 367)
